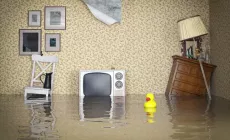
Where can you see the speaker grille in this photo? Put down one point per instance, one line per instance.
(118, 76)
(119, 84)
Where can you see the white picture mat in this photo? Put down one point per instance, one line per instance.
(48, 11)
(38, 23)
(47, 42)
(21, 32)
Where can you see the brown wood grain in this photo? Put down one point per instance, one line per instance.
(186, 77)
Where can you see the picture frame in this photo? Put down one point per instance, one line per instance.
(52, 42)
(189, 48)
(55, 18)
(29, 41)
(34, 18)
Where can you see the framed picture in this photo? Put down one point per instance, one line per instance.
(29, 41)
(52, 42)
(34, 18)
(55, 18)
(190, 47)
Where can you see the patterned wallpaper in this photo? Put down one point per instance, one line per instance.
(142, 44)
(220, 51)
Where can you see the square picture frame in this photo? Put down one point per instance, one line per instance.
(29, 41)
(34, 18)
(191, 48)
(52, 42)
(55, 18)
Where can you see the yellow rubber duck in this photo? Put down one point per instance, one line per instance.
(150, 101)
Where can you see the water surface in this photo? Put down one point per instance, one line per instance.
(68, 117)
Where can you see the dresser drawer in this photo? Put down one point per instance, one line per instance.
(177, 92)
(189, 79)
(183, 68)
(196, 71)
(186, 87)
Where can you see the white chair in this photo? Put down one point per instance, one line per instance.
(38, 60)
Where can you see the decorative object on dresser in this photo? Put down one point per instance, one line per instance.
(191, 48)
(192, 28)
(186, 77)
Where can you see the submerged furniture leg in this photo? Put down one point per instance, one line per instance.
(205, 80)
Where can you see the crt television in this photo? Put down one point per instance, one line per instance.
(102, 83)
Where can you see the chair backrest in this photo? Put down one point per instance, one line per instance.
(37, 61)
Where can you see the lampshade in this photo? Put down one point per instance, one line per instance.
(191, 27)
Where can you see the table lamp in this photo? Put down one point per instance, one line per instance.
(191, 28)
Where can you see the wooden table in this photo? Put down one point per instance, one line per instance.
(186, 77)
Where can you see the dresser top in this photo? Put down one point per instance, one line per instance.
(182, 58)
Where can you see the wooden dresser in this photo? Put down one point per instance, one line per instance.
(186, 77)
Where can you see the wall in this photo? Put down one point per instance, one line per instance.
(219, 33)
(142, 43)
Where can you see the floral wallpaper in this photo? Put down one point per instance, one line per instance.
(142, 44)
(220, 34)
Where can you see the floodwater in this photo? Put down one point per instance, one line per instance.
(68, 117)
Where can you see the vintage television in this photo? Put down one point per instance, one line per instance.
(102, 83)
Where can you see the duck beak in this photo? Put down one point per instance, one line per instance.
(147, 99)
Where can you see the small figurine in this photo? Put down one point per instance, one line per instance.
(197, 53)
(150, 101)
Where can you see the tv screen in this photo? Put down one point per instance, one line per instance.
(97, 84)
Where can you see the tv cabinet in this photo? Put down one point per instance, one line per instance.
(186, 77)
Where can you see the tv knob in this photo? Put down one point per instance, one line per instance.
(118, 76)
(119, 84)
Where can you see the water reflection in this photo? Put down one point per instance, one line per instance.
(105, 107)
(150, 112)
(192, 118)
(42, 122)
(179, 118)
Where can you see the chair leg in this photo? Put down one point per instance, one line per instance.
(25, 96)
(47, 96)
